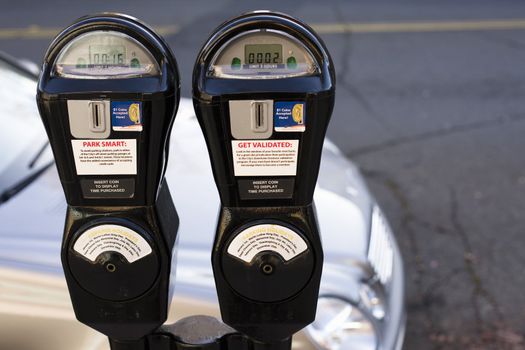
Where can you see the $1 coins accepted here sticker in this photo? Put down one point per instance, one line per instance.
(267, 237)
(114, 238)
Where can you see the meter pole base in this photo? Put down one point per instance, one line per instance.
(198, 333)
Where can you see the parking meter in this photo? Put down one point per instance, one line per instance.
(263, 91)
(108, 94)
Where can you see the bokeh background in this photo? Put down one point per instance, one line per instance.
(430, 104)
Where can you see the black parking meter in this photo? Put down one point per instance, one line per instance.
(263, 91)
(108, 95)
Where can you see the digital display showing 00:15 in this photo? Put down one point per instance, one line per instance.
(263, 54)
(107, 54)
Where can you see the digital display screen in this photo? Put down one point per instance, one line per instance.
(107, 54)
(263, 54)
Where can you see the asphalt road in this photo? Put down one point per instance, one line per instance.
(433, 116)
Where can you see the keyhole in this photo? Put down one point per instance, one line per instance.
(267, 269)
(111, 267)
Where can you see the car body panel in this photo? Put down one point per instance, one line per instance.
(33, 293)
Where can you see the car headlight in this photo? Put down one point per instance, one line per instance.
(340, 325)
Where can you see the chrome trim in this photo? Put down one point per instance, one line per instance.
(380, 250)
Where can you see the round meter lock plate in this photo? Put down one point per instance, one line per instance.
(113, 261)
(274, 259)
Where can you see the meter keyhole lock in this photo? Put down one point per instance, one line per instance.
(111, 267)
(267, 268)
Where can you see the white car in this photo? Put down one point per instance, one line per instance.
(361, 303)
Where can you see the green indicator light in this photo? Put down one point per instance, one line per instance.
(81, 63)
(135, 63)
(236, 63)
(291, 62)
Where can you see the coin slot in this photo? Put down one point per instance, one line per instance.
(251, 119)
(98, 117)
(259, 117)
(89, 119)
(96, 122)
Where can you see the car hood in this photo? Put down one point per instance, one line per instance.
(32, 221)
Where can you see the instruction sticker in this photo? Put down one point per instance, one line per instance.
(266, 237)
(265, 158)
(108, 188)
(126, 116)
(266, 188)
(289, 116)
(114, 238)
(108, 157)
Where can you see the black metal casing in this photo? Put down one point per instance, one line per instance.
(274, 306)
(211, 96)
(130, 300)
(159, 94)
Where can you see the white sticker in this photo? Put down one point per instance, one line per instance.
(114, 238)
(266, 237)
(105, 157)
(265, 158)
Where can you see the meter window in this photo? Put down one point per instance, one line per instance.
(263, 54)
(105, 55)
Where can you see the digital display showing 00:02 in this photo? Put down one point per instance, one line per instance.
(263, 54)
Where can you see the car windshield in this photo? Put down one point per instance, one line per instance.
(21, 128)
